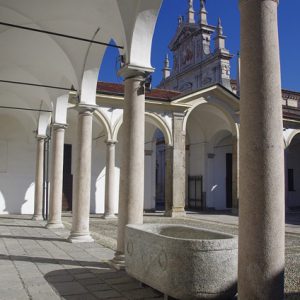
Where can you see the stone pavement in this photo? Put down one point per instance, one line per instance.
(38, 263)
(105, 232)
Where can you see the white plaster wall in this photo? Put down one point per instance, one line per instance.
(98, 175)
(196, 159)
(17, 164)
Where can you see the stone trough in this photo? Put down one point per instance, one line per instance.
(181, 261)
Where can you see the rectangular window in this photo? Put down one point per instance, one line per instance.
(291, 180)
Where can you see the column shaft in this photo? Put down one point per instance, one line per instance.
(39, 176)
(110, 180)
(131, 201)
(179, 161)
(261, 223)
(56, 183)
(81, 202)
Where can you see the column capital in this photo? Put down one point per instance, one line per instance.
(111, 142)
(130, 71)
(244, 1)
(41, 137)
(177, 114)
(86, 109)
(59, 126)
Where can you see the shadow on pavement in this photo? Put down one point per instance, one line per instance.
(53, 261)
(32, 238)
(102, 282)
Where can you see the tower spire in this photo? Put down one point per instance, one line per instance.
(203, 13)
(220, 38)
(219, 27)
(166, 70)
(191, 12)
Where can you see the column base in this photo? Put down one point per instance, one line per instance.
(109, 216)
(118, 262)
(168, 213)
(235, 211)
(176, 212)
(80, 238)
(37, 218)
(53, 225)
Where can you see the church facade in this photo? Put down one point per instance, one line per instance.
(200, 57)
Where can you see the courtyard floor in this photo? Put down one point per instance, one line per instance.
(38, 263)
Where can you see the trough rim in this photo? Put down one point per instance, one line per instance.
(229, 243)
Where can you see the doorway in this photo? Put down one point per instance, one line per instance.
(195, 191)
(160, 171)
(67, 179)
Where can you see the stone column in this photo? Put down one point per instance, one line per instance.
(261, 210)
(131, 200)
(39, 177)
(168, 180)
(56, 181)
(110, 180)
(178, 161)
(235, 175)
(81, 202)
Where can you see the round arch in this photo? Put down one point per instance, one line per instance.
(228, 116)
(288, 136)
(153, 119)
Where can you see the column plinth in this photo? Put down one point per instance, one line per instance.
(261, 206)
(81, 201)
(39, 174)
(56, 187)
(110, 181)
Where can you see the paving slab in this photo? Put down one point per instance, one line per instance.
(39, 263)
(105, 233)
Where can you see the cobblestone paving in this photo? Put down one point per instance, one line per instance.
(38, 263)
(105, 232)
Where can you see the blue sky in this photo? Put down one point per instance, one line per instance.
(289, 35)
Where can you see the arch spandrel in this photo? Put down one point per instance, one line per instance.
(105, 123)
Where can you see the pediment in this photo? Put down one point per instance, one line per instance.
(183, 32)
